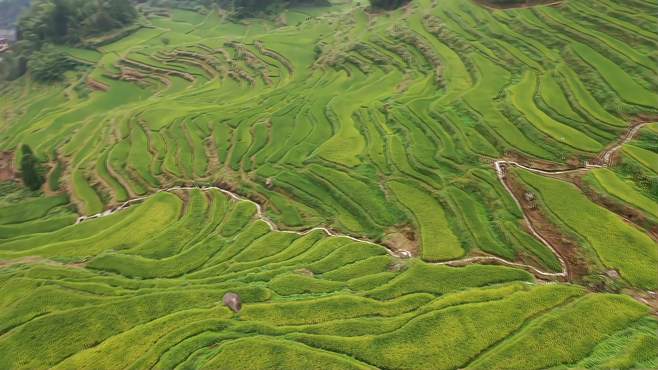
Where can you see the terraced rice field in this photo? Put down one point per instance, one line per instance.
(441, 186)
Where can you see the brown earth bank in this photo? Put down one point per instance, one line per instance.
(610, 155)
(577, 263)
(7, 166)
(648, 298)
(570, 163)
(607, 157)
(568, 249)
(402, 239)
(629, 214)
(31, 260)
(96, 85)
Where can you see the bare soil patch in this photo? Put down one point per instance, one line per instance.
(570, 163)
(648, 298)
(6, 166)
(402, 239)
(304, 272)
(96, 85)
(34, 260)
(567, 248)
(629, 214)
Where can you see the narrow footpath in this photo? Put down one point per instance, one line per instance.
(500, 166)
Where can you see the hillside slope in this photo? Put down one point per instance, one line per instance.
(383, 190)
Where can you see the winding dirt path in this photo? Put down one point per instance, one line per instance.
(500, 166)
(260, 215)
(604, 158)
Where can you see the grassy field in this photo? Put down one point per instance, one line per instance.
(308, 301)
(438, 241)
(619, 245)
(378, 126)
(625, 191)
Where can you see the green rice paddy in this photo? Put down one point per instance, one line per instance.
(367, 141)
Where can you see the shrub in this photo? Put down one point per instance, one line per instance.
(49, 64)
(387, 4)
(30, 169)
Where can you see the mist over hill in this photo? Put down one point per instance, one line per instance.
(10, 10)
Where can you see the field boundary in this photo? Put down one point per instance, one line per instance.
(605, 159)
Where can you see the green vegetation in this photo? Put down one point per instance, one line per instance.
(49, 64)
(438, 241)
(70, 21)
(28, 210)
(302, 305)
(646, 157)
(618, 245)
(548, 332)
(560, 132)
(387, 4)
(625, 191)
(507, 2)
(30, 169)
(375, 141)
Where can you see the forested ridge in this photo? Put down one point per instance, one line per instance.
(69, 21)
(59, 22)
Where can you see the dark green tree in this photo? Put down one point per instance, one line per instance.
(12, 66)
(387, 4)
(30, 169)
(49, 64)
(70, 21)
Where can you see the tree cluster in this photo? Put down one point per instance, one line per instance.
(387, 4)
(49, 64)
(60, 22)
(69, 21)
(30, 169)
